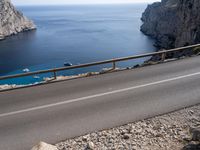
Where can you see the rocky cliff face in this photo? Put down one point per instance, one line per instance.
(12, 21)
(173, 23)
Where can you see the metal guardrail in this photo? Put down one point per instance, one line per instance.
(113, 61)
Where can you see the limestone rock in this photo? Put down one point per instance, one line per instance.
(12, 21)
(173, 23)
(44, 146)
(90, 146)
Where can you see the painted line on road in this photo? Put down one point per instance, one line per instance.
(96, 95)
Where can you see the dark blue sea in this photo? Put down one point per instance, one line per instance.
(77, 34)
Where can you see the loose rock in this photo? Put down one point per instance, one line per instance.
(90, 146)
(195, 134)
(44, 146)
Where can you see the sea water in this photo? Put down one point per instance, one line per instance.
(77, 34)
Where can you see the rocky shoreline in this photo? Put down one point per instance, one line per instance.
(12, 21)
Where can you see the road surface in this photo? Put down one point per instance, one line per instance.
(54, 112)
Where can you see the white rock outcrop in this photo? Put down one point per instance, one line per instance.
(12, 21)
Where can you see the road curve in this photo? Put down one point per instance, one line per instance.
(54, 112)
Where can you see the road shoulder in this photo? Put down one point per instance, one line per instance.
(171, 131)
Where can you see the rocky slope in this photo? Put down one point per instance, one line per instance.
(173, 23)
(12, 21)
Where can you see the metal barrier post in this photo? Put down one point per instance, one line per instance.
(114, 65)
(163, 56)
(54, 74)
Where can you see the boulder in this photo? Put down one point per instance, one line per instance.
(195, 134)
(90, 146)
(44, 146)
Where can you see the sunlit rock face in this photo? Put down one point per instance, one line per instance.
(173, 23)
(12, 21)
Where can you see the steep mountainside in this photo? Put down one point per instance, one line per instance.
(12, 21)
(173, 23)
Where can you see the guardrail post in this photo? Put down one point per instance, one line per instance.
(114, 65)
(163, 56)
(54, 74)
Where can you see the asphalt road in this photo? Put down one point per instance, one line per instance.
(61, 110)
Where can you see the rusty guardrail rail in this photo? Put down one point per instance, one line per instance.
(113, 61)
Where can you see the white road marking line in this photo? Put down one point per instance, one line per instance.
(97, 95)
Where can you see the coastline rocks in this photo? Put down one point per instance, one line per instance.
(2, 37)
(173, 23)
(12, 21)
(6, 86)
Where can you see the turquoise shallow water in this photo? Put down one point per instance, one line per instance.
(75, 33)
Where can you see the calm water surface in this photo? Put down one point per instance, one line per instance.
(78, 34)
